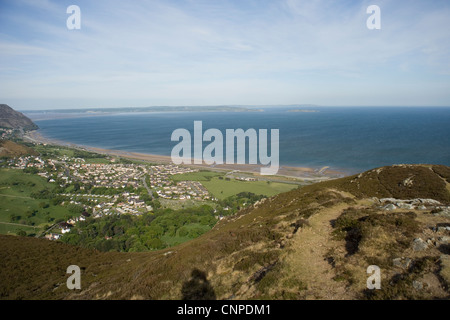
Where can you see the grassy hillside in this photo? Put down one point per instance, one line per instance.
(9, 149)
(309, 243)
(18, 209)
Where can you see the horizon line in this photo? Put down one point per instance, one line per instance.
(237, 106)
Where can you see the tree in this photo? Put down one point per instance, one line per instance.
(156, 204)
(30, 213)
(14, 217)
(183, 232)
(195, 232)
(155, 244)
(75, 209)
(138, 247)
(205, 220)
(32, 170)
(155, 231)
(43, 205)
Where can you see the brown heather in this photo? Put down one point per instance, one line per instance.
(310, 243)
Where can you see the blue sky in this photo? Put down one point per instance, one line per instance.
(220, 52)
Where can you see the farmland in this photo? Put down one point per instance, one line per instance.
(222, 187)
(18, 209)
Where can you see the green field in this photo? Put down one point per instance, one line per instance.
(15, 199)
(9, 228)
(197, 176)
(222, 188)
(97, 160)
(54, 150)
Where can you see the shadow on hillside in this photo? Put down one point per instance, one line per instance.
(352, 240)
(197, 287)
(444, 248)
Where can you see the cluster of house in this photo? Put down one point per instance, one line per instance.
(87, 199)
(108, 175)
(67, 171)
(132, 204)
(75, 169)
(160, 174)
(107, 204)
(184, 190)
(53, 236)
(66, 226)
(6, 133)
(245, 179)
(27, 162)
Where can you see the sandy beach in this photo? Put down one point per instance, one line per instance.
(303, 173)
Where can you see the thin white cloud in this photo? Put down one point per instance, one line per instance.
(280, 51)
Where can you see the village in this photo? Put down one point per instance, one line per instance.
(116, 185)
(5, 133)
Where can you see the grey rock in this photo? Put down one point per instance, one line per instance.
(443, 213)
(419, 245)
(389, 207)
(444, 240)
(397, 262)
(430, 202)
(388, 199)
(405, 206)
(403, 263)
(417, 285)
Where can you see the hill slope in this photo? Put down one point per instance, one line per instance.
(9, 118)
(11, 149)
(309, 243)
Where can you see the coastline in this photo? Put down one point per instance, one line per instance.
(289, 172)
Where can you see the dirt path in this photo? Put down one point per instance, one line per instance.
(11, 196)
(17, 224)
(308, 263)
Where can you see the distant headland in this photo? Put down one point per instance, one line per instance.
(12, 119)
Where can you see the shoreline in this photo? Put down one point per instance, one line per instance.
(290, 172)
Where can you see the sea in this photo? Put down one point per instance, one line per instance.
(347, 139)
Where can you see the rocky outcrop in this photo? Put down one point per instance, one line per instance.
(419, 244)
(390, 204)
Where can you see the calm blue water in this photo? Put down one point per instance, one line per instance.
(351, 139)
